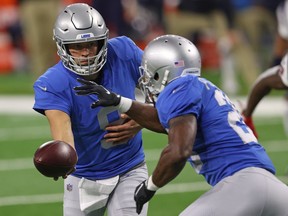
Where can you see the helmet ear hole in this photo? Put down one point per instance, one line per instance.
(156, 76)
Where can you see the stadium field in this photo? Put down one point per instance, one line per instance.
(26, 192)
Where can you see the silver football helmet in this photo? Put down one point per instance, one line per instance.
(81, 23)
(164, 59)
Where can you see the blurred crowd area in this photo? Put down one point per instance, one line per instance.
(231, 35)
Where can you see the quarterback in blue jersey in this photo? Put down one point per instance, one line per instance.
(204, 128)
(108, 144)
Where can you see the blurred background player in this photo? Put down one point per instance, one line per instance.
(204, 128)
(281, 41)
(281, 47)
(256, 23)
(237, 27)
(111, 160)
(140, 20)
(37, 19)
(274, 77)
(211, 22)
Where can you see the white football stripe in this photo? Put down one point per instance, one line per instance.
(9, 104)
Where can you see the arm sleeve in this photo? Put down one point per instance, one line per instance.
(48, 98)
(181, 100)
(282, 20)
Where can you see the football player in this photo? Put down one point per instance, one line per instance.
(110, 161)
(281, 41)
(274, 77)
(204, 128)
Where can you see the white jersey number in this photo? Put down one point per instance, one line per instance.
(235, 120)
(103, 122)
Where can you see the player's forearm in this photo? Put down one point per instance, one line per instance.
(168, 167)
(60, 126)
(146, 116)
(256, 95)
(173, 158)
(62, 135)
(267, 81)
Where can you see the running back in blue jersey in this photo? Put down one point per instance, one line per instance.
(54, 91)
(224, 143)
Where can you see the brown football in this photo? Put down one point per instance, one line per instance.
(55, 158)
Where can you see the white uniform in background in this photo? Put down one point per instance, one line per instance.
(282, 19)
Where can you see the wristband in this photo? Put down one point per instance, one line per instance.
(150, 185)
(248, 120)
(125, 104)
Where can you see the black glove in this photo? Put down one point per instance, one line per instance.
(142, 195)
(105, 97)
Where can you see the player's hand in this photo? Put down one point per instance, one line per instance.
(105, 97)
(142, 195)
(66, 175)
(249, 122)
(119, 134)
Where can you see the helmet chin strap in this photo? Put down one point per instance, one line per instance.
(164, 80)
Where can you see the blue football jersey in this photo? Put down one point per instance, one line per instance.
(224, 143)
(97, 159)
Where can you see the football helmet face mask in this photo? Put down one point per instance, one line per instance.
(165, 59)
(79, 23)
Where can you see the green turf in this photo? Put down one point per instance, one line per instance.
(171, 205)
(21, 83)
(16, 83)
(51, 209)
(21, 135)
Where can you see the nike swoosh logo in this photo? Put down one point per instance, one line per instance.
(137, 191)
(43, 88)
(177, 89)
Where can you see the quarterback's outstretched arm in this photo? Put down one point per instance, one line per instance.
(267, 81)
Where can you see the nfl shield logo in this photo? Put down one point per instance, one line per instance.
(69, 187)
